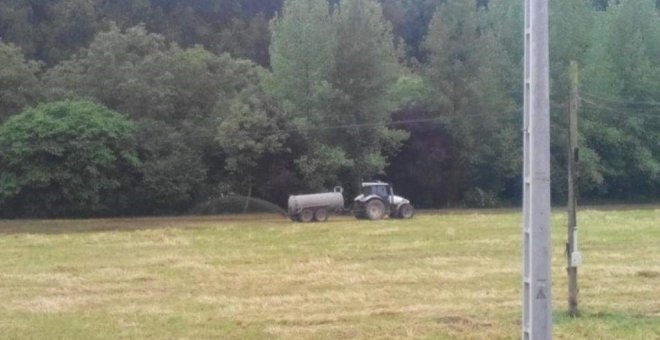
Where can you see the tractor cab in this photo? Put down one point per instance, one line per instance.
(380, 189)
(377, 200)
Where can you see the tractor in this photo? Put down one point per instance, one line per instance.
(377, 200)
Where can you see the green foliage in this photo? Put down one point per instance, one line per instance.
(571, 25)
(177, 109)
(249, 39)
(49, 30)
(570, 36)
(452, 44)
(410, 19)
(339, 73)
(52, 31)
(365, 68)
(411, 90)
(124, 70)
(470, 72)
(64, 158)
(622, 72)
(634, 42)
(322, 165)
(19, 86)
(249, 129)
(171, 171)
(335, 68)
(302, 58)
(118, 69)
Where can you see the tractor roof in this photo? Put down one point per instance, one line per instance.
(371, 184)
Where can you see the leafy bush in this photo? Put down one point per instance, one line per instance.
(64, 158)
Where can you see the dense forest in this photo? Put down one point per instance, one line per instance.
(139, 107)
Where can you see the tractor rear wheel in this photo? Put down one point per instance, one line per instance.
(358, 210)
(320, 215)
(375, 209)
(406, 211)
(306, 216)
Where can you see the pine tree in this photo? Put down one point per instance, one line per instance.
(452, 70)
(19, 86)
(334, 68)
(365, 69)
(622, 72)
(472, 76)
(302, 58)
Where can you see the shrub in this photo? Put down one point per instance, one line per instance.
(64, 158)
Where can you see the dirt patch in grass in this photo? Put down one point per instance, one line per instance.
(648, 273)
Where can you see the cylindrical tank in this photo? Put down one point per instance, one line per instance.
(328, 200)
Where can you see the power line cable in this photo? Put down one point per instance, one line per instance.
(510, 114)
(339, 127)
(622, 102)
(446, 119)
(620, 111)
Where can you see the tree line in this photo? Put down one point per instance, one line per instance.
(155, 107)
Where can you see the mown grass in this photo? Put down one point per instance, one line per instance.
(442, 275)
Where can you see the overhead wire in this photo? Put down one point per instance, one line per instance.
(584, 98)
(501, 115)
(621, 111)
(621, 102)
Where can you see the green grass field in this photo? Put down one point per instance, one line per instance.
(439, 275)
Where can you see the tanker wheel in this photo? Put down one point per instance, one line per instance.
(321, 215)
(406, 211)
(307, 215)
(375, 209)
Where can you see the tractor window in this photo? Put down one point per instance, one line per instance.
(380, 190)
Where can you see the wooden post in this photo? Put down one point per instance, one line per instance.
(573, 256)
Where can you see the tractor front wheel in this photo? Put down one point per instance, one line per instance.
(375, 209)
(406, 211)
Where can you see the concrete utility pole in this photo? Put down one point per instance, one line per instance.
(573, 255)
(537, 282)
